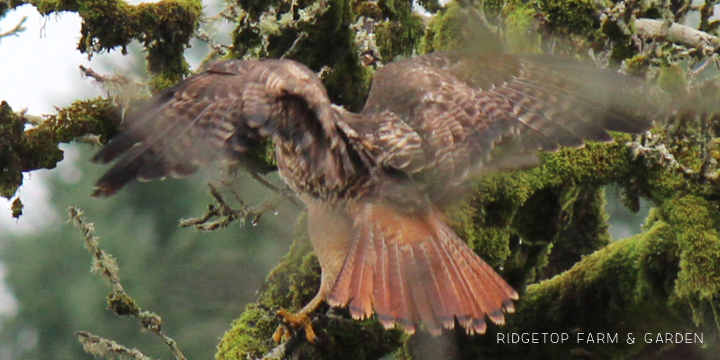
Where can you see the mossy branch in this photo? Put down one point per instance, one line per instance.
(289, 286)
(668, 276)
(634, 286)
(164, 28)
(677, 33)
(37, 148)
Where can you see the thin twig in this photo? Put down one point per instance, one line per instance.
(704, 65)
(224, 214)
(257, 177)
(285, 192)
(15, 30)
(106, 266)
(115, 79)
(98, 346)
(89, 72)
(295, 45)
(205, 36)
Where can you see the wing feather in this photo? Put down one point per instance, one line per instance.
(224, 110)
(413, 270)
(462, 106)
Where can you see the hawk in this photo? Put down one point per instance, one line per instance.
(372, 180)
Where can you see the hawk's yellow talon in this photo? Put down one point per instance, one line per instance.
(296, 321)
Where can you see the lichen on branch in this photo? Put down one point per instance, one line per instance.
(37, 148)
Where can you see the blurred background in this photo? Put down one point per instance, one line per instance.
(198, 282)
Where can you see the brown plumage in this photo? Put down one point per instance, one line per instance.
(370, 180)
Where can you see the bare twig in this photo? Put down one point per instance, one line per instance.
(225, 214)
(205, 36)
(106, 266)
(88, 139)
(295, 45)
(92, 74)
(15, 30)
(704, 65)
(114, 79)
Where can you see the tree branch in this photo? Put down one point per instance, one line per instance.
(98, 346)
(15, 30)
(120, 302)
(676, 33)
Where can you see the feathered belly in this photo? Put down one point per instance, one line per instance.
(319, 178)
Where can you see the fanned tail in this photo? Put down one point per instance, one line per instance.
(411, 268)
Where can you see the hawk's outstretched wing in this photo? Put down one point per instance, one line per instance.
(221, 112)
(439, 116)
(433, 119)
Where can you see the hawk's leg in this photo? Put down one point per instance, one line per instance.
(330, 234)
(300, 319)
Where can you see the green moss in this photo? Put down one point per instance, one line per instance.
(292, 284)
(672, 80)
(562, 17)
(348, 83)
(49, 6)
(457, 27)
(528, 213)
(399, 38)
(596, 164)
(98, 117)
(249, 335)
(368, 9)
(648, 283)
(696, 222)
(626, 282)
(484, 227)
(106, 24)
(37, 148)
(11, 135)
(122, 304)
(521, 25)
(164, 28)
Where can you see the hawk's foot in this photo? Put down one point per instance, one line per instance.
(298, 320)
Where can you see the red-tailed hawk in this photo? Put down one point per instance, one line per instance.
(370, 180)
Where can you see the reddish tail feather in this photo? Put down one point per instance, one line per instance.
(411, 268)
